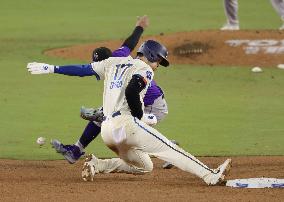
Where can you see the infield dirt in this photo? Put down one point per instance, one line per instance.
(60, 181)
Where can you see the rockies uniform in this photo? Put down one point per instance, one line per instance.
(278, 5)
(231, 11)
(154, 101)
(125, 83)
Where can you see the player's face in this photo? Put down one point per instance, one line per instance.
(155, 65)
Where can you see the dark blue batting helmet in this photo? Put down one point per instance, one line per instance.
(154, 51)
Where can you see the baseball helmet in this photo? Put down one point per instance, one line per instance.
(101, 53)
(154, 51)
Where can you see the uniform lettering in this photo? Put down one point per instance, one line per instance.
(115, 84)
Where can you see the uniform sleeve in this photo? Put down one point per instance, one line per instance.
(132, 91)
(147, 74)
(123, 51)
(133, 39)
(75, 70)
(99, 68)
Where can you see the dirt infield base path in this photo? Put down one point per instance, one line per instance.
(59, 181)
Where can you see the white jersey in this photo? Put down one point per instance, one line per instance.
(117, 72)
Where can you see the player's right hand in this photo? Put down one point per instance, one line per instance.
(142, 21)
(40, 68)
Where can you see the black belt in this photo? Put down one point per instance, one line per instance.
(116, 114)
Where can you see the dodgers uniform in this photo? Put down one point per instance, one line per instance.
(154, 101)
(129, 137)
(126, 81)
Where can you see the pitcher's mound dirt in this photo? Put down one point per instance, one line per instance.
(244, 48)
(60, 181)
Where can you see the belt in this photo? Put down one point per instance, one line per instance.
(117, 113)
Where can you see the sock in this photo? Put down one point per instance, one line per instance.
(90, 133)
(81, 147)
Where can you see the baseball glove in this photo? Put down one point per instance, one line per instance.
(92, 114)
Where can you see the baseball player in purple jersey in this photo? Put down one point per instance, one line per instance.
(155, 104)
(231, 11)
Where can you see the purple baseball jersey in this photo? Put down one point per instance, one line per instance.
(154, 91)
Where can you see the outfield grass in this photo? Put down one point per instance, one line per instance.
(213, 111)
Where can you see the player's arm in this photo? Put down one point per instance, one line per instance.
(155, 103)
(132, 40)
(132, 94)
(130, 43)
(70, 70)
(138, 82)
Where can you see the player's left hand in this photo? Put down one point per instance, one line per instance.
(40, 68)
(149, 119)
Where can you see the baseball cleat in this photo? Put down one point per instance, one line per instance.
(218, 178)
(71, 153)
(229, 27)
(90, 168)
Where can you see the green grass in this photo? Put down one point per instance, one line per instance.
(221, 111)
(213, 111)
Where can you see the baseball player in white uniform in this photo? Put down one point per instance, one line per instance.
(155, 105)
(125, 83)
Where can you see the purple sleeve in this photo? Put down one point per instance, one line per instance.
(123, 51)
(153, 92)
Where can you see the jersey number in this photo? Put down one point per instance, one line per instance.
(117, 82)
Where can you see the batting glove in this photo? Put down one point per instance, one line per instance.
(40, 68)
(149, 119)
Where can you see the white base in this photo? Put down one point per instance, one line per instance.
(256, 183)
(280, 66)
